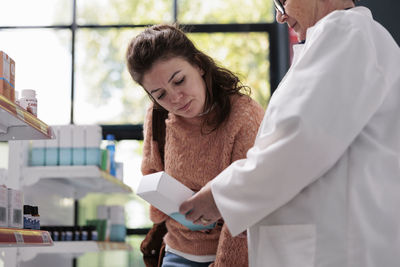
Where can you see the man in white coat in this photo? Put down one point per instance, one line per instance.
(321, 185)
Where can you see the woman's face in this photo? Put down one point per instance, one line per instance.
(302, 14)
(177, 86)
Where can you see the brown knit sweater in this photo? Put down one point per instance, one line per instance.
(194, 159)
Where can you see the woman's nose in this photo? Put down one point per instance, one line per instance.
(176, 96)
(280, 17)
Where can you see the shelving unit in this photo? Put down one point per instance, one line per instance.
(12, 237)
(83, 179)
(18, 124)
(73, 248)
(21, 245)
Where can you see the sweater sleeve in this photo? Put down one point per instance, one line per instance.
(151, 161)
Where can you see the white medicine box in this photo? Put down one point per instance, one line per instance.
(15, 208)
(166, 194)
(3, 206)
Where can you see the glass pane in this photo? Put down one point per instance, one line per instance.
(105, 92)
(111, 258)
(246, 54)
(124, 11)
(43, 63)
(129, 152)
(136, 256)
(33, 13)
(223, 11)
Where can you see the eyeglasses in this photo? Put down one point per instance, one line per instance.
(279, 7)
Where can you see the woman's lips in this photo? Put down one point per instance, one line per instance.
(185, 107)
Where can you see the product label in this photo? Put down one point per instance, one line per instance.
(18, 237)
(45, 237)
(29, 104)
(6, 67)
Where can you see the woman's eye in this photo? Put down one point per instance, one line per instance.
(180, 81)
(161, 96)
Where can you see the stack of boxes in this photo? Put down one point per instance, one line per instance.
(114, 219)
(74, 145)
(11, 206)
(3, 206)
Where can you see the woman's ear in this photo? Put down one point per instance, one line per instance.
(201, 71)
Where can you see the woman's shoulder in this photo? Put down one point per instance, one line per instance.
(245, 108)
(244, 103)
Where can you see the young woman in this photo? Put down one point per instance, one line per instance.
(209, 124)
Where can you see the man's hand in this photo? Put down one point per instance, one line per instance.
(201, 207)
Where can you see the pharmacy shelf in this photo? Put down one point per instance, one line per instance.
(12, 237)
(18, 124)
(73, 249)
(84, 179)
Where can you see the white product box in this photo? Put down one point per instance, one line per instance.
(3, 176)
(117, 214)
(3, 206)
(65, 145)
(78, 145)
(166, 194)
(15, 208)
(51, 157)
(102, 212)
(38, 153)
(93, 137)
(114, 213)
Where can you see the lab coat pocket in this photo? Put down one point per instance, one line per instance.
(286, 246)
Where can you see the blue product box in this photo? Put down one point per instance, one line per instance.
(117, 233)
(65, 154)
(180, 218)
(37, 156)
(51, 156)
(78, 156)
(93, 156)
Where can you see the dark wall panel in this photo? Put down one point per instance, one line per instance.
(387, 13)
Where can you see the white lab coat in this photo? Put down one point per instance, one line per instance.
(321, 186)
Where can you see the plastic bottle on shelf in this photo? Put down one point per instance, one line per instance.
(28, 221)
(110, 147)
(35, 218)
(28, 101)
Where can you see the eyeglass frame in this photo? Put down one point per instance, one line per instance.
(279, 7)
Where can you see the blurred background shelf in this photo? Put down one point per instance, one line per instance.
(18, 124)
(83, 179)
(12, 237)
(73, 248)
